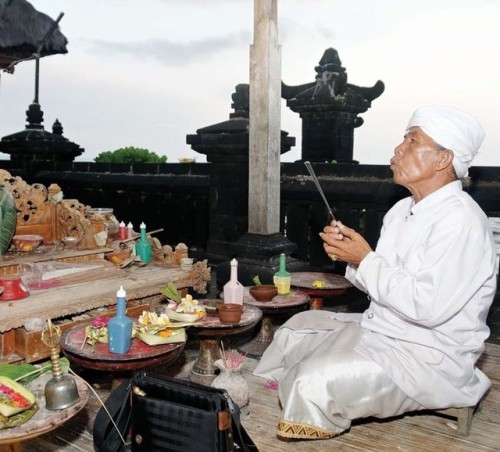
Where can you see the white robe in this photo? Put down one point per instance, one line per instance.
(431, 281)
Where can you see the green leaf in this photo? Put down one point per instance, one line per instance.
(8, 219)
(256, 280)
(170, 291)
(19, 418)
(23, 373)
(14, 371)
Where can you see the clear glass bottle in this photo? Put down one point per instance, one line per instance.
(282, 278)
(233, 289)
(143, 248)
(111, 224)
(120, 326)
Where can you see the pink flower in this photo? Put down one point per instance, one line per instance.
(232, 359)
(172, 305)
(100, 321)
(272, 385)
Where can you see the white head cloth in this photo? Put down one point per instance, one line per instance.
(452, 129)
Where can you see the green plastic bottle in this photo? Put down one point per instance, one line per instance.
(282, 278)
(143, 248)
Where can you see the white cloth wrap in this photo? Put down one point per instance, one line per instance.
(454, 130)
(323, 381)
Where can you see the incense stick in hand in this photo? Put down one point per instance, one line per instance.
(316, 182)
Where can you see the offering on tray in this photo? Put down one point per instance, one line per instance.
(14, 397)
(168, 336)
(188, 310)
(318, 283)
(182, 309)
(97, 331)
(154, 329)
(148, 320)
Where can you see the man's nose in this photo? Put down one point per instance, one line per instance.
(399, 149)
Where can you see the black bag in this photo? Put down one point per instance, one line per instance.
(170, 415)
(106, 435)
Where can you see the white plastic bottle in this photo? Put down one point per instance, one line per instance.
(233, 289)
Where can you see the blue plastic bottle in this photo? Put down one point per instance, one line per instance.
(143, 248)
(120, 326)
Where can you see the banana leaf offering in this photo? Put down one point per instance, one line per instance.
(18, 403)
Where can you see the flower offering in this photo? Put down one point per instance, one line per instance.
(97, 331)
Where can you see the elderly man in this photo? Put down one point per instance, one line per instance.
(431, 281)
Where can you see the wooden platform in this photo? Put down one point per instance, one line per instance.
(418, 432)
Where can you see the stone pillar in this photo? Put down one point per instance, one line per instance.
(258, 250)
(226, 146)
(265, 121)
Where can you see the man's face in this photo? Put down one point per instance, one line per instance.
(414, 159)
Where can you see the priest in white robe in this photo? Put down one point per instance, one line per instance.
(430, 281)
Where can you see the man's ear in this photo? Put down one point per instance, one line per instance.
(445, 159)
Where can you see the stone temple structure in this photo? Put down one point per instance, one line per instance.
(329, 108)
(35, 144)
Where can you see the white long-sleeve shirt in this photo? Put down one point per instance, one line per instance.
(431, 281)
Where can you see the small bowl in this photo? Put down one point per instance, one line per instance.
(71, 242)
(229, 313)
(210, 307)
(27, 242)
(100, 211)
(118, 257)
(263, 293)
(13, 289)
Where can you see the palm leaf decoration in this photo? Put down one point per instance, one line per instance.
(8, 218)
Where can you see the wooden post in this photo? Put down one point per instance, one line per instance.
(265, 121)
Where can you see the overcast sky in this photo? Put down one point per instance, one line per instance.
(147, 73)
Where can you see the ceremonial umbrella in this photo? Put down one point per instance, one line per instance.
(26, 33)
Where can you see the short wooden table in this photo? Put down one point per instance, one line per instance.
(140, 356)
(334, 285)
(44, 420)
(280, 305)
(211, 332)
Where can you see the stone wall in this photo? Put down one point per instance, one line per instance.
(180, 199)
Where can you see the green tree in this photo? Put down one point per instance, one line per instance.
(130, 154)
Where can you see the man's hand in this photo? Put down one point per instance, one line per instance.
(344, 244)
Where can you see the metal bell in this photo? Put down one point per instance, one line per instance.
(61, 392)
